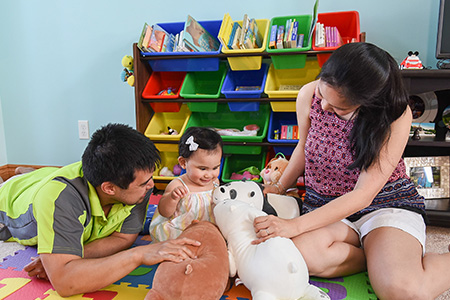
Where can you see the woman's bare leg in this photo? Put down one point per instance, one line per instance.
(397, 269)
(332, 251)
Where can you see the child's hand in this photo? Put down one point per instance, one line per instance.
(179, 192)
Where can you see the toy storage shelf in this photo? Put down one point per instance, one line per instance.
(416, 81)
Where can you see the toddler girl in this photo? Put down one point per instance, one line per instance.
(189, 196)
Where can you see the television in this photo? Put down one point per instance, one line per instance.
(443, 35)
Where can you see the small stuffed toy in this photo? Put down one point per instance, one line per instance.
(205, 277)
(274, 169)
(127, 74)
(412, 61)
(271, 174)
(273, 269)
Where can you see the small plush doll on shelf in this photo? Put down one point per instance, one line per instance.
(412, 61)
(127, 74)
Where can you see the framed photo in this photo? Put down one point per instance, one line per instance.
(423, 129)
(430, 175)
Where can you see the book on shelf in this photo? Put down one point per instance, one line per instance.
(313, 22)
(234, 30)
(198, 38)
(280, 37)
(320, 35)
(300, 40)
(245, 22)
(287, 34)
(258, 39)
(273, 37)
(294, 35)
(144, 39)
(157, 38)
(235, 44)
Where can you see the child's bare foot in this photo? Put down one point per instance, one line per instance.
(23, 170)
(1, 179)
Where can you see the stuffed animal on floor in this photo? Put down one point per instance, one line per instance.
(273, 269)
(205, 277)
(271, 174)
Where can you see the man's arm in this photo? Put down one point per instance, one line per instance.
(71, 274)
(109, 245)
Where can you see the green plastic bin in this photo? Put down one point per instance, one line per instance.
(294, 61)
(235, 163)
(226, 119)
(206, 84)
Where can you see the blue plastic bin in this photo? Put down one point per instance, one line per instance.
(249, 78)
(277, 119)
(186, 64)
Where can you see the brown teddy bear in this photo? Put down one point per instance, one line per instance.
(271, 174)
(205, 277)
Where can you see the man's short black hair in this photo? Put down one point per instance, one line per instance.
(115, 153)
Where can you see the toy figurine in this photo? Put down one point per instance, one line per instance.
(167, 92)
(127, 74)
(276, 134)
(412, 61)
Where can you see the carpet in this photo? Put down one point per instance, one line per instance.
(16, 285)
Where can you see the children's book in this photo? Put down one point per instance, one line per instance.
(256, 33)
(197, 38)
(314, 21)
(280, 36)
(273, 37)
(293, 39)
(144, 39)
(236, 26)
(157, 38)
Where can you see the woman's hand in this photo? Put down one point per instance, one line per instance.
(271, 226)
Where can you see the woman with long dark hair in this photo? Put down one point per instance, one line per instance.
(361, 211)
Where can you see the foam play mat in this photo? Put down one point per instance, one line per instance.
(16, 284)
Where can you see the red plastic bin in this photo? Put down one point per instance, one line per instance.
(160, 81)
(347, 23)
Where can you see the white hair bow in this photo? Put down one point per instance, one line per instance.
(192, 145)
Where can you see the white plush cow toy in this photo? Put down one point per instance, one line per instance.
(271, 270)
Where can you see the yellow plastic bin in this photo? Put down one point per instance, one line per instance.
(168, 159)
(160, 122)
(285, 83)
(240, 63)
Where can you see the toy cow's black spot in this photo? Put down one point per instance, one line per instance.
(252, 194)
(233, 194)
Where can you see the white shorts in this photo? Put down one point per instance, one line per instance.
(406, 220)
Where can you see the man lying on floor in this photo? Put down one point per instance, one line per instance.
(83, 216)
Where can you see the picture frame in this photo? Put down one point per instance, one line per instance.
(430, 175)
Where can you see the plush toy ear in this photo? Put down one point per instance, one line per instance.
(410, 53)
(416, 53)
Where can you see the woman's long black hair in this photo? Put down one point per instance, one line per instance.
(369, 77)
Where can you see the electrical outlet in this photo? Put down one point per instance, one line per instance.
(83, 129)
